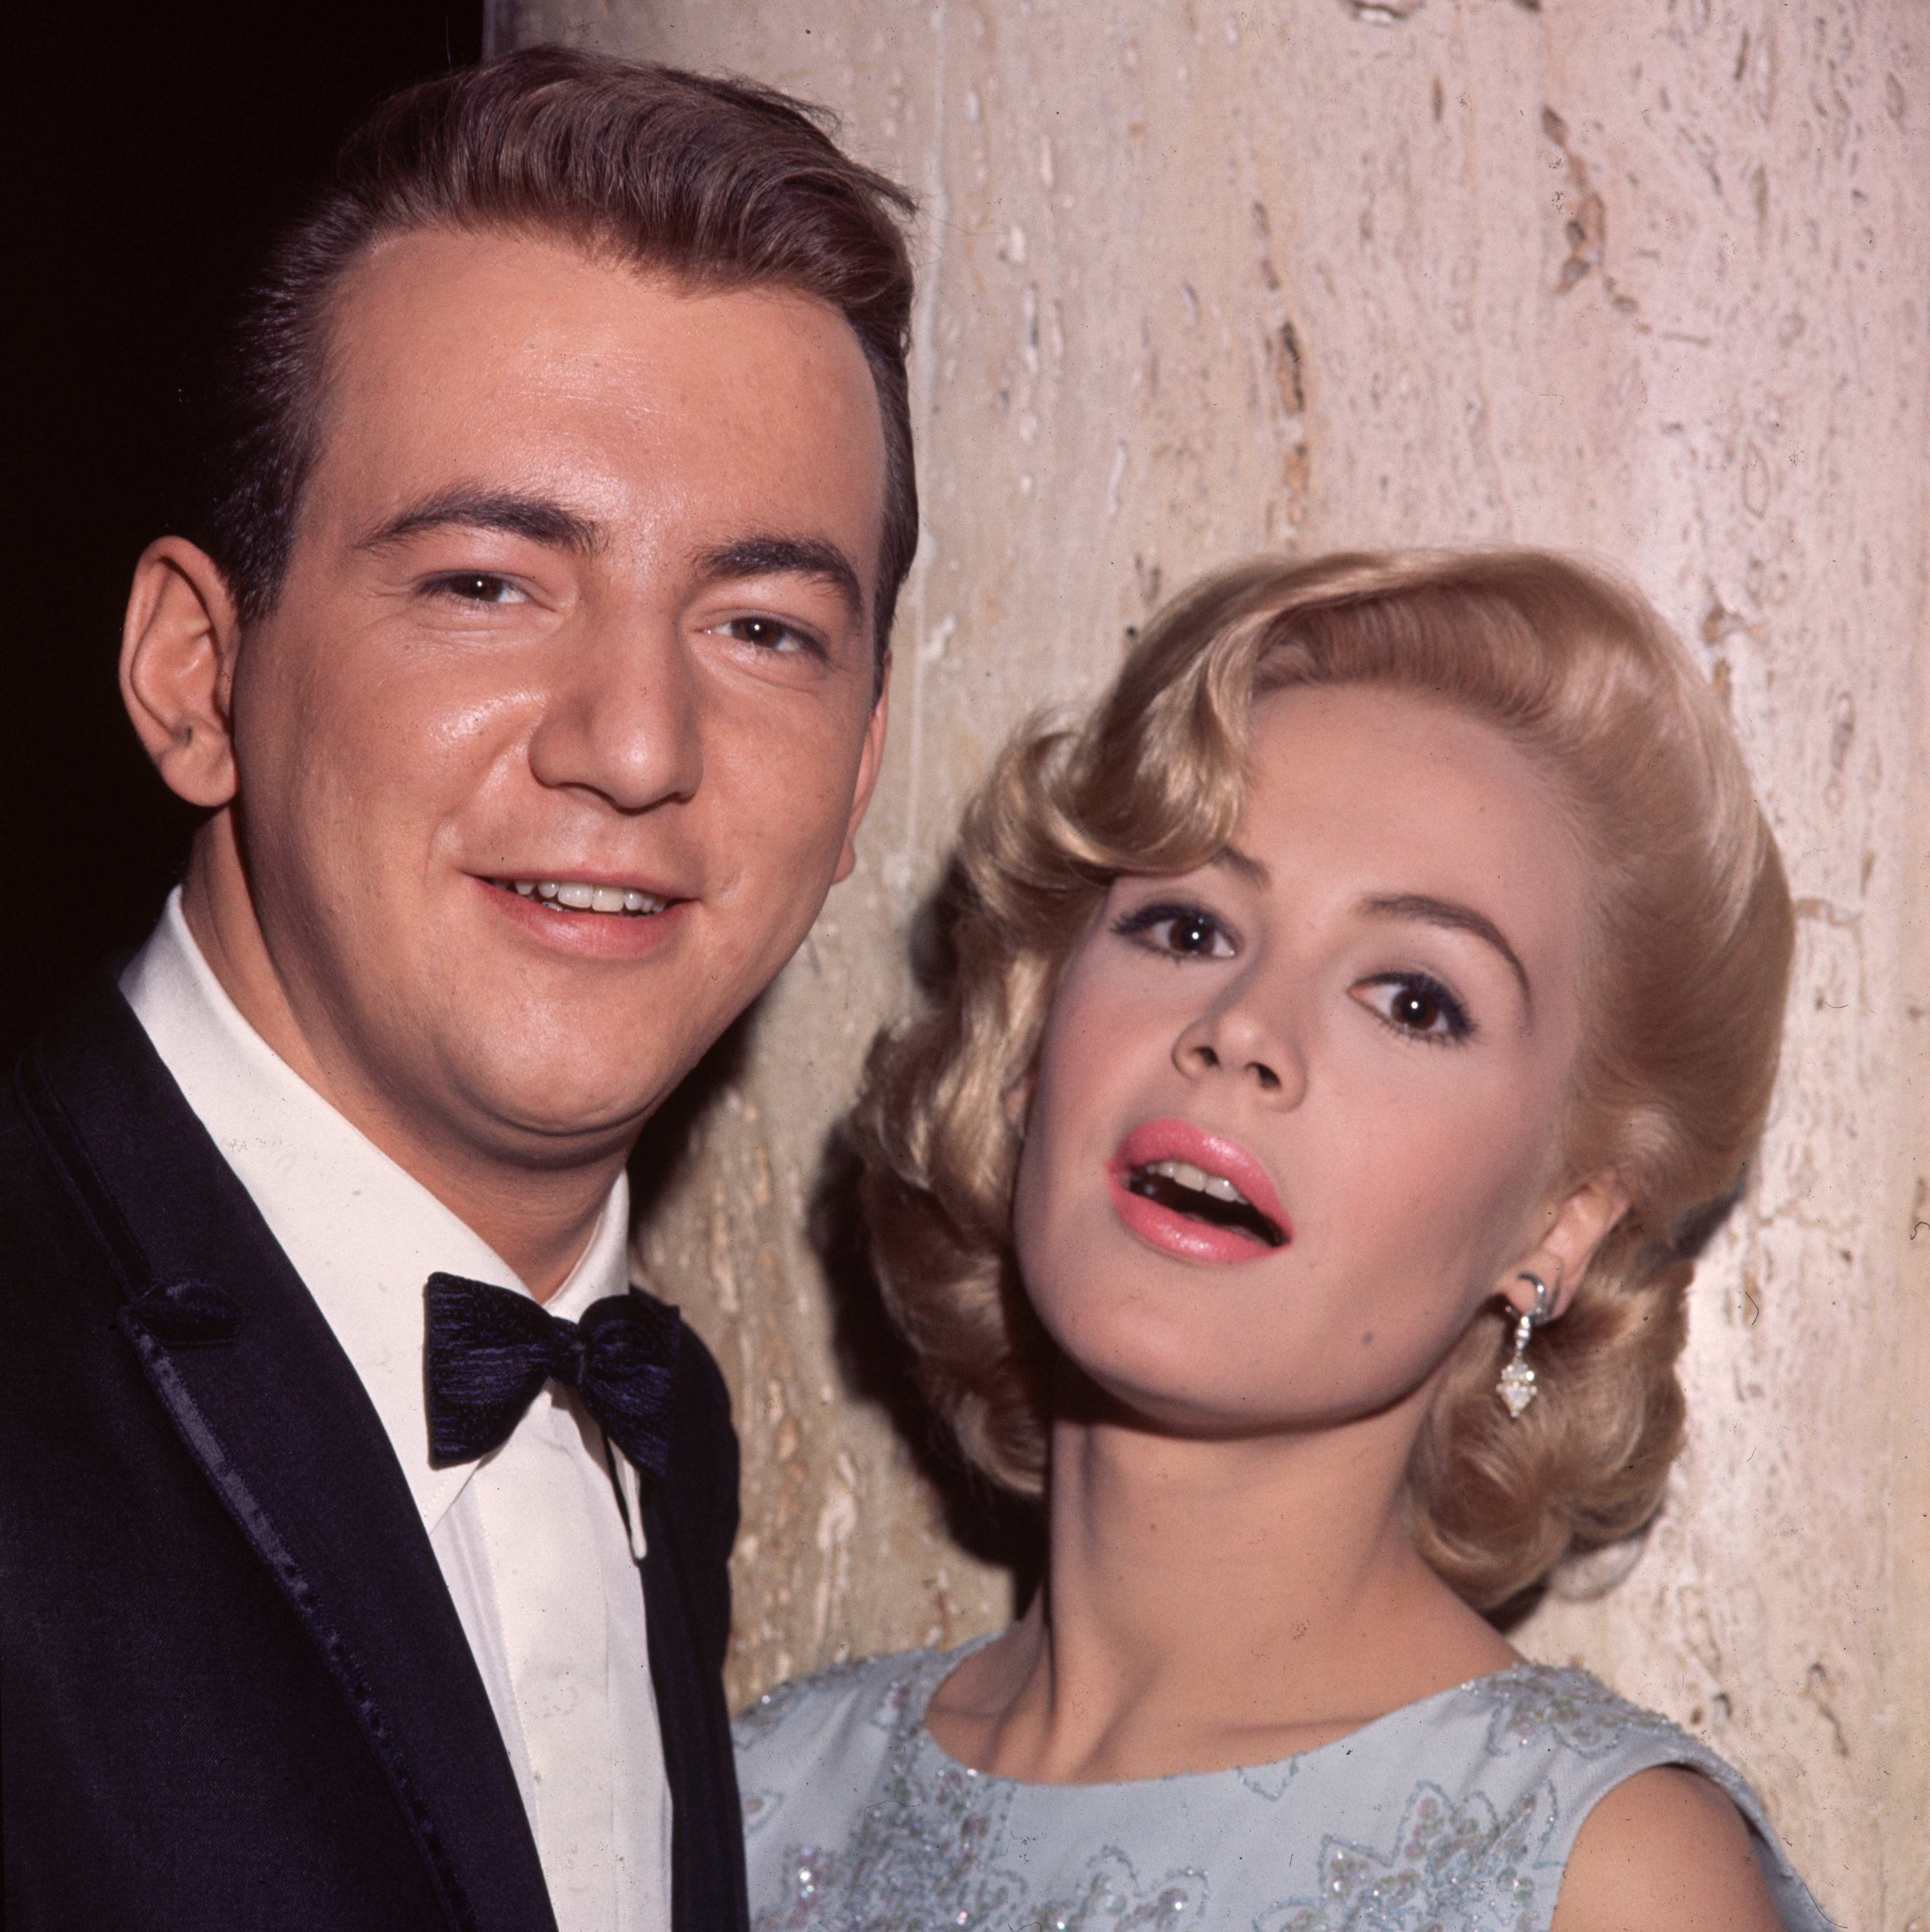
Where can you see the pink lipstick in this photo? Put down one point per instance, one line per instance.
(1196, 1195)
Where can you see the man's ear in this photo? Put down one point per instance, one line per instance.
(1580, 1223)
(869, 760)
(178, 648)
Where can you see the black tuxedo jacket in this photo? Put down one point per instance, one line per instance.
(234, 1691)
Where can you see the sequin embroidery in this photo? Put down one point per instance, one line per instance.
(1535, 1705)
(1451, 1865)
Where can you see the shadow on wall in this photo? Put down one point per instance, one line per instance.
(666, 1142)
(988, 1523)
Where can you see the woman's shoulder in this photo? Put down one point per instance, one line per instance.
(1630, 1792)
(1667, 1848)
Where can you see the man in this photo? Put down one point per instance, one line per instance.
(530, 665)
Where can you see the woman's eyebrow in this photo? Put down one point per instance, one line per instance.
(1456, 917)
(1243, 867)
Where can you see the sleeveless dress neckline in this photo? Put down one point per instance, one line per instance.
(927, 1684)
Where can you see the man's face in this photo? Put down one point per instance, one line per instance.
(579, 609)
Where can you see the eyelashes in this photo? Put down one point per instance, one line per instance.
(1412, 1004)
(1416, 1004)
(774, 635)
(481, 587)
(1182, 931)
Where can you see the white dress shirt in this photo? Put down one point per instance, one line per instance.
(539, 1541)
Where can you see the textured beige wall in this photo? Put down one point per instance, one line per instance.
(1647, 279)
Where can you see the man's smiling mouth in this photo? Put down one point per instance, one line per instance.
(1200, 1196)
(577, 895)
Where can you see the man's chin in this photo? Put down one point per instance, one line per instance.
(553, 1130)
(556, 1110)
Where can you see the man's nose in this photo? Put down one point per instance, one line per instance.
(1243, 1036)
(622, 717)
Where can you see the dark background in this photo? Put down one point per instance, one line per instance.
(159, 148)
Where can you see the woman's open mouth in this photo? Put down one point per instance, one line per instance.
(1211, 1198)
(1196, 1195)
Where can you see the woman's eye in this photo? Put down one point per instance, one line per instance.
(1416, 1004)
(1185, 932)
(479, 586)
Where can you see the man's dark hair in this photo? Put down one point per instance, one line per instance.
(722, 184)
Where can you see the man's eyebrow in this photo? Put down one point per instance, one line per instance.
(1457, 918)
(538, 518)
(788, 556)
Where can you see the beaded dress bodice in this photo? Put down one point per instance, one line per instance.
(1456, 1812)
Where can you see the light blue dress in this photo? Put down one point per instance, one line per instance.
(1457, 1813)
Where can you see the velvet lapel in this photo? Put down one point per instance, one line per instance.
(707, 1885)
(270, 1407)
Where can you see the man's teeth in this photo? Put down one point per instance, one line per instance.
(588, 898)
(1183, 1174)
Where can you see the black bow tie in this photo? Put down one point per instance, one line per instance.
(489, 1350)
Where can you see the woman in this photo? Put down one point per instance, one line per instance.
(1351, 1028)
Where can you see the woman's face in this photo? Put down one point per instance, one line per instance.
(1294, 1117)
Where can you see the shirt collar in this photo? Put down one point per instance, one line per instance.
(364, 1234)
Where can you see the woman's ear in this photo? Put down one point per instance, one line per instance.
(1580, 1221)
(178, 647)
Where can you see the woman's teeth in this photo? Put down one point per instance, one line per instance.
(587, 898)
(1198, 1179)
(1189, 1190)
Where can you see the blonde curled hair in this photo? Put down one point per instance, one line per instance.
(1685, 965)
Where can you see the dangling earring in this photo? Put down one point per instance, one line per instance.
(1517, 1385)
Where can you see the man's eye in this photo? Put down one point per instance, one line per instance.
(1187, 932)
(766, 634)
(1414, 1003)
(479, 586)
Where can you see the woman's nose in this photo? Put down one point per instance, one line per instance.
(1234, 1037)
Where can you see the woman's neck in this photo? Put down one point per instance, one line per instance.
(1212, 1603)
